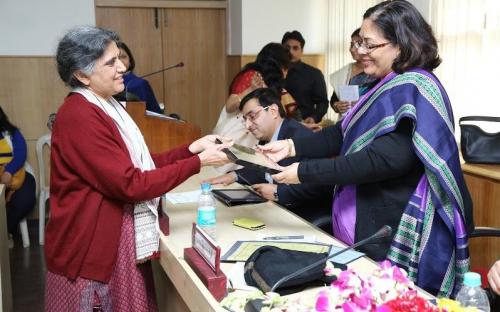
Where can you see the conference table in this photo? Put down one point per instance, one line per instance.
(178, 287)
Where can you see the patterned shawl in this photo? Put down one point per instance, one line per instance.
(430, 241)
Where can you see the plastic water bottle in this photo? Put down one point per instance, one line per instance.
(207, 213)
(471, 294)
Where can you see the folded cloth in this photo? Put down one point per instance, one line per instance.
(268, 264)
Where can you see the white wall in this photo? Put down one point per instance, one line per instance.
(33, 27)
(424, 7)
(264, 21)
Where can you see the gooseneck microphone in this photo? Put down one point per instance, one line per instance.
(180, 64)
(385, 231)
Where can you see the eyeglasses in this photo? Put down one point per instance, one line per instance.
(368, 48)
(253, 115)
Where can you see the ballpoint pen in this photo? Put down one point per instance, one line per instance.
(283, 237)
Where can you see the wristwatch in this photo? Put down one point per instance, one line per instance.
(275, 194)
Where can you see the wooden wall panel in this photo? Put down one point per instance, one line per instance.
(138, 29)
(484, 188)
(198, 38)
(30, 90)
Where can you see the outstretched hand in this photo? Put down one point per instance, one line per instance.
(289, 175)
(266, 190)
(276, 150)
(224, 179)
(208, 141)
(214, 156)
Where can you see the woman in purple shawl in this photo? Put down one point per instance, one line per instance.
(395, 156)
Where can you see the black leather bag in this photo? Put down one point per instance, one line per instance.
(268, 264)
(478, 146)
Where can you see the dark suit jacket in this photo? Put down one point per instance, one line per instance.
(386, 173)
(309, 201)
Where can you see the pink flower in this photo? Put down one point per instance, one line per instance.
(399, 276)
(385, 265)
(383, 308)
(349, 307)
(323, 302)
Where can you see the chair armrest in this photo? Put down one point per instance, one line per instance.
(483, 231)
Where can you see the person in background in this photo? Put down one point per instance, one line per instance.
(350, 74)
(264, 117)
(16, 174)
(305, 83)
(396, 159)
(136, 85)
(268, 70)
(105, 185)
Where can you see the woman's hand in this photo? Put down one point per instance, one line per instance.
(494, 277)
(341, 106)
(257, 82)
(278, 150)
(6, 178)
(313, 126)
(214, 156)
(224, 179)
(266, 190)
(289, 175)
(207, 141)
(234, 100)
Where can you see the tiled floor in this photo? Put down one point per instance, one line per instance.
(27, 267)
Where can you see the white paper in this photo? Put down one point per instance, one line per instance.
(236, 277)
(346, 257)
(349, 93)
(183, 197)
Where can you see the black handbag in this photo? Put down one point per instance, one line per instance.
(478, 146)
(268, 264)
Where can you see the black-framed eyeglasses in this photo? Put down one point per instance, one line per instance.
(368, 48)
(253, 115)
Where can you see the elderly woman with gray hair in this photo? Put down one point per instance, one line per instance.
(105, 185)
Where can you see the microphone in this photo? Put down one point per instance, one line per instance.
(385, 231)
(180, 64)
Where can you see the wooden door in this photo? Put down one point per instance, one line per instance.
(140, 29)
(197, 91)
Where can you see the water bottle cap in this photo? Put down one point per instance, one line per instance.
(472, 279)
(206, 186)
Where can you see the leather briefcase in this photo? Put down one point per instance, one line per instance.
(477, 145)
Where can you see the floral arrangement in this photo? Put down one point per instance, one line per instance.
(353, 292)
(387, 289)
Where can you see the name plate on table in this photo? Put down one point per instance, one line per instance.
(206, 247)
(204, 259)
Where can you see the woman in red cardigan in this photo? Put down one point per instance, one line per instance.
(105, 185)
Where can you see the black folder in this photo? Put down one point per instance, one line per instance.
(249, 158)
(233, 197)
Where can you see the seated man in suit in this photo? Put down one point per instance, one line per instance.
(264, 117)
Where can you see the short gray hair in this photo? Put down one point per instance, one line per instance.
(79, 49)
